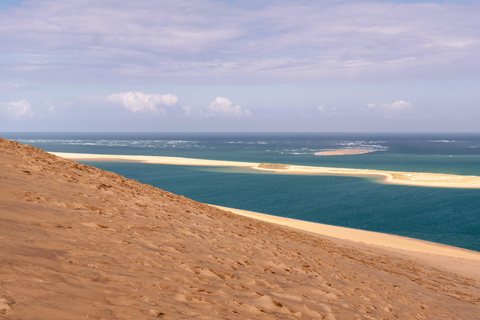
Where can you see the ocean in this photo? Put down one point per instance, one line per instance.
(443, 215)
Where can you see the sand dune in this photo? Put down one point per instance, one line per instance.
(77, 242)
(420, 179)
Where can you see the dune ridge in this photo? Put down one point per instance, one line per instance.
(419, 179)
(78, 242)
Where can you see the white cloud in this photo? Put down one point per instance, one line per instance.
(389, 110)
(51, 107)
(19, 109)
(142, 102)
(327, 112)
(223, 106)
(188, 110)
(219, 107)
(395, 106)
(191, 112)
(321, 109)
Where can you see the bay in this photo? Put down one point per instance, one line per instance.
(449, 216)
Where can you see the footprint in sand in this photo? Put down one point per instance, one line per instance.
(6, 305)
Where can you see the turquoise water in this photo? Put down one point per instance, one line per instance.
(449, 216)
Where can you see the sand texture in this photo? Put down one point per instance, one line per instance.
(77, 242)
(420, 179)
(414, 246)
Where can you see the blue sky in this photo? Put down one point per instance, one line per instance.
(205, 65)
(9, 3)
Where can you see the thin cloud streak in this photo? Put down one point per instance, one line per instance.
(197, 41)
(397, 106)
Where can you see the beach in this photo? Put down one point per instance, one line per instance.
(78, 242)
(367, 237)
(430, 252)
(421, 179)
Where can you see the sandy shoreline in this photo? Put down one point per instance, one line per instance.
(153, 159)
(466, 262)
(362, 236)
(420, 179)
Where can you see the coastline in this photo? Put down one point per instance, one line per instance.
(418, 179)
(154, 159)
(362, 236)
(80, 242)
(356, 235)
(441, 256)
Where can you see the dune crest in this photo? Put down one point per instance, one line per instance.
(78, 242)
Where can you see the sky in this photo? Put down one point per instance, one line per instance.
(239, 66)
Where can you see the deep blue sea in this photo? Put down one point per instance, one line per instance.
(449, 216)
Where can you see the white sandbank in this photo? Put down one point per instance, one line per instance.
(154, 159)
(342, 152)
(420, 179)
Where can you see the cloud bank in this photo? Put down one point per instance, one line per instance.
(142, 102)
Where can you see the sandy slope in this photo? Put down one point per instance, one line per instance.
(77, 242)
(367, 237)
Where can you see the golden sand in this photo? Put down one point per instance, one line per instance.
(367, 237)
(77, 242)
(420, 179)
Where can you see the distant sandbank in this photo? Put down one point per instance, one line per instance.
(342, 152)
(419, 179)
(154, 159)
